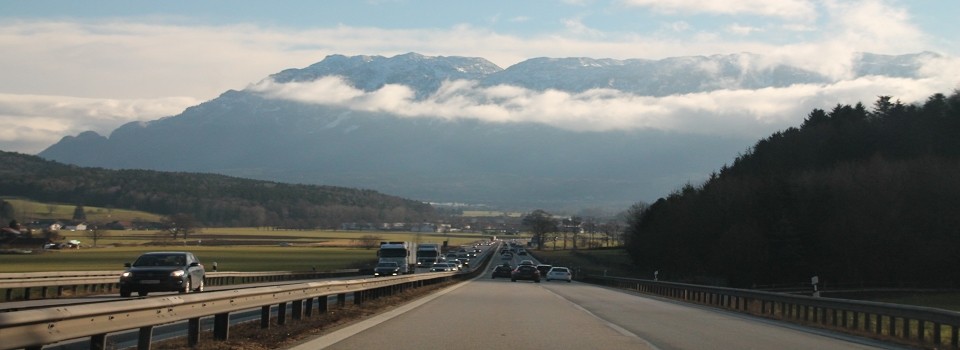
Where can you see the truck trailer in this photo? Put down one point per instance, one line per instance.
(402, 253)
(428, 254)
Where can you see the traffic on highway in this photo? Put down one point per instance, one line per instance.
(561, 315)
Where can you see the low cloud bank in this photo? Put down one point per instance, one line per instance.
(733, 112)
(32, 122)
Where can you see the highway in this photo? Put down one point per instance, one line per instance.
(484, 313)
(500, 314)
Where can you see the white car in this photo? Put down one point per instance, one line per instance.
(559, 273)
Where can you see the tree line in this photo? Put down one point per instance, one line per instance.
(212, 200)
(854, 196)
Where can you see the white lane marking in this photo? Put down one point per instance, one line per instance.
(334, 337)
(612, 326)
(349, 331)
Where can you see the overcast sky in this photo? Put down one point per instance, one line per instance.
(70, 66)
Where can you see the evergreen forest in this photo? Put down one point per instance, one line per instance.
(855, 195)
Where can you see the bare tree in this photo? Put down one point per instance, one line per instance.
(368, 241)
(95, 233)
(539, 223)
(181, 225)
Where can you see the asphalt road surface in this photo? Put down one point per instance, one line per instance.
(499, 314)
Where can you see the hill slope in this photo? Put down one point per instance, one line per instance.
(214, 200)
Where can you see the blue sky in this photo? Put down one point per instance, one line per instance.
(72, 66)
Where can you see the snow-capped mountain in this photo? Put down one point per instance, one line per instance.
(524, 164)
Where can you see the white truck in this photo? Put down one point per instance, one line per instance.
(428, 254)
(402, 253)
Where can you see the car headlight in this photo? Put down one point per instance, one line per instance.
(126, 274)
(177, 273)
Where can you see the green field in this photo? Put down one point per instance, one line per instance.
(31, 210)
(266, 236)
(234, 249)
(246, 258)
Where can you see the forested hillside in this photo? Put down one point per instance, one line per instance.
(854, 195)
(212, 200)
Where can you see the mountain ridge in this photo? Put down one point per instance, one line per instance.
(517, 165)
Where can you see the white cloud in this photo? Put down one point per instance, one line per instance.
(678, 26)
(60, 77)
(742, 29)
(31, 123)
(787, 9)
(874, 24)
(576, 27)
(742, 113)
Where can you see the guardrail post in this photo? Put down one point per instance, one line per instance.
(954, 332)
(282, 314)
(906, 328)
(143, 339)
(878, 327)
(892, 327)
(297, 310)
(221, 326)
(341, 300)
(322, 304)
(193, 332)
(265, 317)
(921, 331)
(26, 293)
(358, 297)
(308, 312)
(97, 342)
(936, 333)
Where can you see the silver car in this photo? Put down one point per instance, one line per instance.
(560, 274)
(442, 267)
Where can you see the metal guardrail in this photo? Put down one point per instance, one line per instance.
(24, 285)
(32, 329)
(909, 325)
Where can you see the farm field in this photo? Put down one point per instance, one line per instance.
(267, 236)
(233, 249)
(235, 258)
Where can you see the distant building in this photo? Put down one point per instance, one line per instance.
(82, 226)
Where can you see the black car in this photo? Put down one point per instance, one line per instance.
(502, 271)
(163, 272)
(465, 262)
(544, 268)
(525, 272)
(386, 269)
